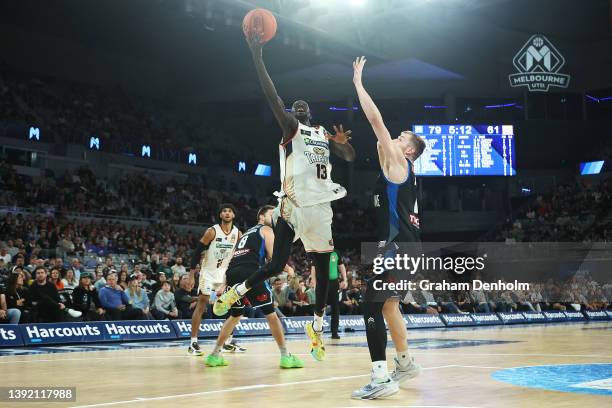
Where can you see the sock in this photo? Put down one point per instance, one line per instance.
(403, 357)
(194, 340)
(229, 339)
(242, 289)
(217, 350)
(318, 323)
(379, 371)
(283, 351)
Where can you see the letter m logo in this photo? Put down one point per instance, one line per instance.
(146, 151)
(94, 143)
(192, 159)
(34, 133)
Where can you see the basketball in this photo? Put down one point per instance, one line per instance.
(259, 21)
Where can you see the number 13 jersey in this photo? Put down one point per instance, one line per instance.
(306, 169)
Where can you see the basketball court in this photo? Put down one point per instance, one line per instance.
(551, 365)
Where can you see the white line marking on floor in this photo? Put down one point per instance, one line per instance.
(243, 388)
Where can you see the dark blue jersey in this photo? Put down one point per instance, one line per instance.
(250, 250)
(397, 210)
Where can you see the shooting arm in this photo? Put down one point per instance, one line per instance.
(287, 122)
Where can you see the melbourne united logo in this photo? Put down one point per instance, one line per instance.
(538, 64)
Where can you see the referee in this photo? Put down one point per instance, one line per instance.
(335, 286)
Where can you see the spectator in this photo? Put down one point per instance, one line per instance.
(116, 303)
(85, 299)
(299, 298)
(164, 306)
(46, 300)
(54, 278)
(100, 280)
(137, 297)
(5, 256)
(185, 303)
(77, 268)
(17, 295)
(10, 316)
(178, 267)
(123, 276)
(280, 296)
(163, 267)
(69, 281)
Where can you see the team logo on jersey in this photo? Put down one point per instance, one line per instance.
(319, 150)
(315, 158)
(377, 200)
(319, 143)
(233, 239)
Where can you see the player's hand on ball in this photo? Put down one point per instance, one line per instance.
(254, 41)
(358, 69)
(341, 137)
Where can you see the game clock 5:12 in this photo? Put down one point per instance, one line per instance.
(466, 150)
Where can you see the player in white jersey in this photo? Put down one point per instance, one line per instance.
(304, 211)
(217, 243)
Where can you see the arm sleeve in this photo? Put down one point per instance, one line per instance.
(197, 254)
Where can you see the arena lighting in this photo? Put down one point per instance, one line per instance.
(504, 105)
(435, 106)
(594, 99)
(357, 3)
(591, 167)
(336, 108)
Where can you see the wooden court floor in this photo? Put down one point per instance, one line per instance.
(458, 367)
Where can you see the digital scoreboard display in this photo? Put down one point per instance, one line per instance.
(466, 150)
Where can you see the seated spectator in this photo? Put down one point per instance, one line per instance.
(178, 267)
(100, 280)
(85, 300)
(164, 306)
(123, 276)
(280, 296)
(163, 266)
(77, 269)
(116, 303)
(185, 302)
(10, 316)
(54, 278)
(70, 281)
(137, 296)
(299, 298)
(45, 299)
(17, 296)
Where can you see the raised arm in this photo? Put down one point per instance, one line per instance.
(371, 111)
(287, 122)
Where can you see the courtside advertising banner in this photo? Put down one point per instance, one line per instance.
(485, 318)
(208, 328)
(416, 321)
(10, 336)
(456, 319)
(513, 317)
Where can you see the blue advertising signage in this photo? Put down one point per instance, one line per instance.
(599, 315)
(252, 327)
(535, 317)
(10, 336)
(574, 316)
(555, 316)
(485, 318)
(456, 319)
(512, 317)
(89, 332)
(415, 321)
(208, 328)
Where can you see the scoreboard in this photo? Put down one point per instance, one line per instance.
(466, 150)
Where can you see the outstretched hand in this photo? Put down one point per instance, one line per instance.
(341, 137)
(254, 41)
(358, 69)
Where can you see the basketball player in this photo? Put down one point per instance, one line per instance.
(250, 254)
(218, 244)
(304, 211)
(395, 199)
(335, 286)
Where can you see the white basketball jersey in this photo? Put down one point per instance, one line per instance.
(306, 169)
(218, 255)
